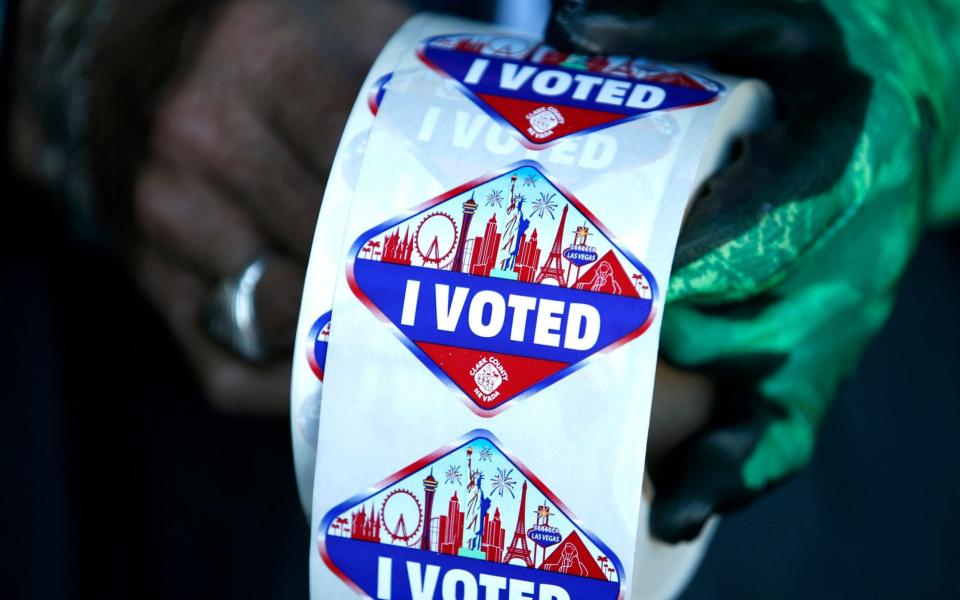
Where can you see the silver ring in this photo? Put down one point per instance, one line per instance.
(230, 315)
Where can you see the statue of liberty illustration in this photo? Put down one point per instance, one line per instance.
(524, 223)
(473, 520)
(477, 542)
(514, 228)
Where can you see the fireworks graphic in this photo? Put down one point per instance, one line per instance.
(453, 474)
(476, 509)
(545, 204)
(503, 482)
(530, 180)
(495, 197)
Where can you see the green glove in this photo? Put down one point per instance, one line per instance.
(789, 260)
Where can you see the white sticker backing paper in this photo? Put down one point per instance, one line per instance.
(492, 253)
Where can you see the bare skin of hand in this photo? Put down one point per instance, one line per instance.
(238, 158)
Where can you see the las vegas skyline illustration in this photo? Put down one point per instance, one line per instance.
(475, 503)
(547, 95)
(511, 46)
(517, 226)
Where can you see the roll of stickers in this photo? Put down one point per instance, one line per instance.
(492, 252)
(310, 347)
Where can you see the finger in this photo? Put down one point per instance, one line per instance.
(821, 99)
(192, 223)
(231, 385)
(284, 66)
(277, 301)
(789, 32)
(311, 115)
(320, 65)
(799, 157)
(201, 131)
(601, 27)
(704, 474)
(699, 479)
(195, 228)
(681, 406)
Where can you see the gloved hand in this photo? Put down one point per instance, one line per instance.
(789, 258)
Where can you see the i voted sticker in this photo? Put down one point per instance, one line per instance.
(503, 285)
(317, 343)
(547, 95)
(376, 93)
(468, 521)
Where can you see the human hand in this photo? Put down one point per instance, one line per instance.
(789, 256)
(240, 149)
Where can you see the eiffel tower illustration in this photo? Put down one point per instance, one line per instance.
(518, 547)
(553, 268)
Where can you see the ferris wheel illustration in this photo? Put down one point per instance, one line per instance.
(399, 509)
(435, 238)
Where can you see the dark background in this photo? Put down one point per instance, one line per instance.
(120, 482)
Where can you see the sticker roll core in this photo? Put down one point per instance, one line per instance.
(475, 356)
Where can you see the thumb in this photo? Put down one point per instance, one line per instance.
(597, 26)
(704, 474)
(701, 478)
(821, 99)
